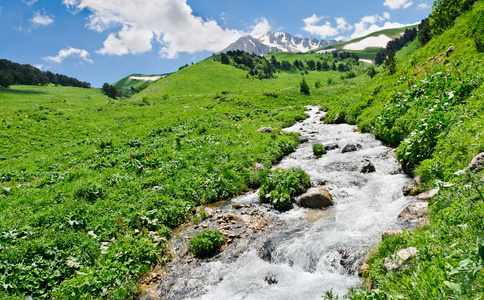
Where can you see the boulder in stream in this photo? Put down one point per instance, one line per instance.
(303, 139)
(367, 167)
(415, 211)
(318, 198)
(351, 147)
(331, 146)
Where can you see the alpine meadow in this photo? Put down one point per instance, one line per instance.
(94, 185)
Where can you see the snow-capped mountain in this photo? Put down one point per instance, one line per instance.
(274, 41)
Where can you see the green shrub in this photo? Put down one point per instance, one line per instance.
(281, 186)
(318, 149)
(207, 243)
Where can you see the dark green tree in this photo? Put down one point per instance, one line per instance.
(224, 59)
(304, 87)
(372, 72)
(391, 63)
(6, 79)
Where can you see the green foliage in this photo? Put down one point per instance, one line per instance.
(207, 243)
(318, 149)
(304, 87)
(390, 63)
(444, 13)
(281, 186)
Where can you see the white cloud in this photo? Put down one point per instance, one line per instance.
(343, 25)
(397, 4)
(323, 30)
(261, 27)
(68, 52)
(170, 23)
(423, 6)
(40, 19)
(29, 2)
(368, 25)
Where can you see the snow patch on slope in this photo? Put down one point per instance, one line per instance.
(369, 42)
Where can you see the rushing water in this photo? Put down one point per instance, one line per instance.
(305, 252)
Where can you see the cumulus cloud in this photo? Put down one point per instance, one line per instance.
(261, 27)
(368, 25)
(342, 25)
(423, 6)
(170, 23)
(323, 30)
(397, 4)
(68, 52)
(41, 19)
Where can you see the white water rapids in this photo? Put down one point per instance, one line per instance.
(312, 251)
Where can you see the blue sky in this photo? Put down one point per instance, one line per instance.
(104, 40)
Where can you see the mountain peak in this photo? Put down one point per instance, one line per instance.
(273, 41)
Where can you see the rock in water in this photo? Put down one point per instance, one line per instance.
(303, 139)
(367, 167)
(351, 147)
(319, 198)
(266, 129)
(415, 211)
(331, 146)
(476, 162)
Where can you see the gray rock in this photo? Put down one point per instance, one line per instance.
(319, 198)
(338, 120)
(449, 50)
(477, 162)
(259, 166)
(331, 146)
(367, 167)
(351, 147)
(303, 139)
(400, 259)
(410, 189)
(266, 129)
(415, 211)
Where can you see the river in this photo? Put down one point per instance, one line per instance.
(301, 253)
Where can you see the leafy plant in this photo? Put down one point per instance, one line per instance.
(318, 149)
(207, 243)
(281, 186)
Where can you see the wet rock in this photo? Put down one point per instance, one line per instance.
(266, 129)
(367, 167)
(259, 166)
(319, 182)
(414, 211)
(338, 120)
(410, 189)
(364, 267)
(265, 252)
(209, 211)
(427, 195)
(271, 279)
(351, 147)
(477, 162)
(400, 259)
(319, 198)
(303, 139)
(236, 206)
(390, 233)
(331, 146)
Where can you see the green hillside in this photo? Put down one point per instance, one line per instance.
(91, 187)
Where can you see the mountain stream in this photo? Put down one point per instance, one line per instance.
(301, 253)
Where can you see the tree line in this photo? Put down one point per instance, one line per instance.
(16, 74)
(395, 45)
(262, 68)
